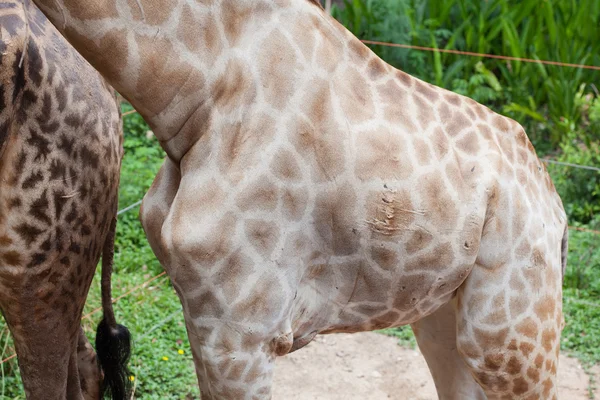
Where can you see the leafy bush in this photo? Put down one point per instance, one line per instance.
(579, 188)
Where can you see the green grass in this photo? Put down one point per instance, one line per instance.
(404, 334)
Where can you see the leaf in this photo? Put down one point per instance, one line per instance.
(524, 110)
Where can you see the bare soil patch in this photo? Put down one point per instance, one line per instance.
(372, 366)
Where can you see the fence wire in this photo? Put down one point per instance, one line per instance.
(482, 55)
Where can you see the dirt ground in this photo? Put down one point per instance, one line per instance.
(372, 366)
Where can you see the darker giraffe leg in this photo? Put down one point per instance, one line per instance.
(436, 336)
(90, 378)
(47, 355)
(509, 323)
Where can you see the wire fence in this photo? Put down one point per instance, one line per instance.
(483, 55)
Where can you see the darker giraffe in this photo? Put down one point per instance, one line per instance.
(60, 156)
(312, 188)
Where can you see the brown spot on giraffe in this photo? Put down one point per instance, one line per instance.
(381, 156)
(236, 268)
(332, 216)
(526, 348)
(518, 305)
(207, 305)
(385, 258)
(236, 371)
(545, 308)
(86, 12)
(236, 18)
(238, 143)
(457, 123)
(427, 90)
(513, 366)
(419, 240)
(468, 143)
(110, 45)
(422, 150)
(192, 42)
(262, 235)
(490, 339)
(285, 167)
(216, 247)
(377, 69)
(261, 194)
(528, 328)
(520, 386)
(494, 361)
(497, 317)
(12, 258)
(548, 338)
(438, 206)
(442, 254)
(533, 374)
(355, 95)
(278, 68)
(295, 202)
(309, 135)
(234, 88)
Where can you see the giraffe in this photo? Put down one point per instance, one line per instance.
(311, 188)
(60, 156)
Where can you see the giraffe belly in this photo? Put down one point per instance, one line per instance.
(392, 277)
(359, 302)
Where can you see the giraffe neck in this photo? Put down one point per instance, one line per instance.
(171, 59)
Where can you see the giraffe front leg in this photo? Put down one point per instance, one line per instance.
(90, 375)
(237, 317)
(236, 298)
(231, 363)
(436, 336)
(236, 328)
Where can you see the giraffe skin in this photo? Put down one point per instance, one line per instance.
(311, 188)
(60, 156)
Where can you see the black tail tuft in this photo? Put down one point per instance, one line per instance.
(113, 341)
(113, 347)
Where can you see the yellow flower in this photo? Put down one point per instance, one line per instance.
(180, 351)
(165, 358)
(132, 378)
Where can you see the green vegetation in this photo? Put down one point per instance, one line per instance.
(559, 107)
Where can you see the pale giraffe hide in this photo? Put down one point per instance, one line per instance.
(312, 188)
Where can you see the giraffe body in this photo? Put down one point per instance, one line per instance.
(312, 188)
(60, 155)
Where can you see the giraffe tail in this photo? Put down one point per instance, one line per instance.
(564, 248)
(113, 341)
